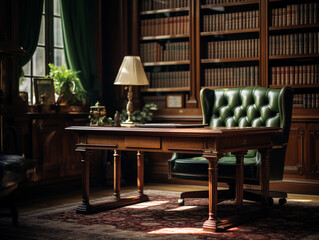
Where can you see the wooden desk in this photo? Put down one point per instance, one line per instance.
(208, 141)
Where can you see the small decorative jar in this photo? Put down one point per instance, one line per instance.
(97, 114)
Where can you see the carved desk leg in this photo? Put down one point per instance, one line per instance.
(117, 173)
(140, 176)
(213, 221)
(85, 206)
(239, 178)
(265, 155)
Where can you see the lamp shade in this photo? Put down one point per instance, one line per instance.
(131, 72)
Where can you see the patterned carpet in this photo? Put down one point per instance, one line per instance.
(162, 218)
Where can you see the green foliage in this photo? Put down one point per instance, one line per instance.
(101, 120)
(64, 78)
(106, 120)
(140, 116)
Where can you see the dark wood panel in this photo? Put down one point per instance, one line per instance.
(294, 163)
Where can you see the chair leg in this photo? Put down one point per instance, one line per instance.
(10, 198)
(13, 207)
(252, 195)
(255, 195)
(194, 194)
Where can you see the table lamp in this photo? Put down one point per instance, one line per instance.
(131, 73)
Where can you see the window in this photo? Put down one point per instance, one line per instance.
(49, 48)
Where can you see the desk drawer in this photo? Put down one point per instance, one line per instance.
(183, 144)
(142, 142)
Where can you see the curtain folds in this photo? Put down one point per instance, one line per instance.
(78, 27)
(30, 14)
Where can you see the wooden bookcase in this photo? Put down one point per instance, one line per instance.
(293, 37)
(229, 44)
(238, 43)
(166, 43)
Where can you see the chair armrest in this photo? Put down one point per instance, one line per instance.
(182, 155)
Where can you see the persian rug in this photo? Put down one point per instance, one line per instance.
(162, 218)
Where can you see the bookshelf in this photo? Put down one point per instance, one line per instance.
(229, 49)
(239, 43)
(293, 38)
(294, 50)
(165, 48)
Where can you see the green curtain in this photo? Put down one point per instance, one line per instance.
(78, 27)
(30, 13)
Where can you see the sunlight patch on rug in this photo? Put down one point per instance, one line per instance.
(182, 208)
(179, 231)
(147, 204)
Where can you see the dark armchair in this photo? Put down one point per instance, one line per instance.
(242, 107)
(13, 169)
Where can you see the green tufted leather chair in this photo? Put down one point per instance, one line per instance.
(242, 107)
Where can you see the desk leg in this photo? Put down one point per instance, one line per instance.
(265, 155)
(239, 178)
(117, 173)
(213, 221)
(85, 206)
(140, 172)
(140, 176)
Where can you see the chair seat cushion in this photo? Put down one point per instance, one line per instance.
(12, 170)
(226, 167)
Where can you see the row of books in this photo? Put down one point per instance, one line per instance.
(165, 26)
(306, 100)
(223, 1)
(160, 101)
(294, 44)
(231, 21)
(157, 52)
(149, 5)
(295, 14)
(303, 74)
(244, 48)
(168, 79)
(232, 77)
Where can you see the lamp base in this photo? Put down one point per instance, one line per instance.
(128, 123)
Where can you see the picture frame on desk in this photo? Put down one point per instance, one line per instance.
(24, 97)
(44, 91)
(175, 101)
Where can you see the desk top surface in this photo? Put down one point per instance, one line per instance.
(177, 132)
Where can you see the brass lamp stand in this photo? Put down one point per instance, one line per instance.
(129, 107)
(131, 73)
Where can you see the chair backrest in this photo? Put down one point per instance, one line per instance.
(251, 107)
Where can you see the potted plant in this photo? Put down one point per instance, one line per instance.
(67, 85)
(140, 116)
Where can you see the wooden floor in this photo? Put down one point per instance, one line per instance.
(52, 199)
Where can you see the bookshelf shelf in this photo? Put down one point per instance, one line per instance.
(177, 89)
(241, 31)
(213, 6)
(170, 10)
(295, 27)
(229, 60)
(149, 64)
(300, 86)
(300, 56)
(149, 38)
(218, 87)
(311, 114)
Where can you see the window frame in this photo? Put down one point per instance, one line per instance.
(48, 15)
